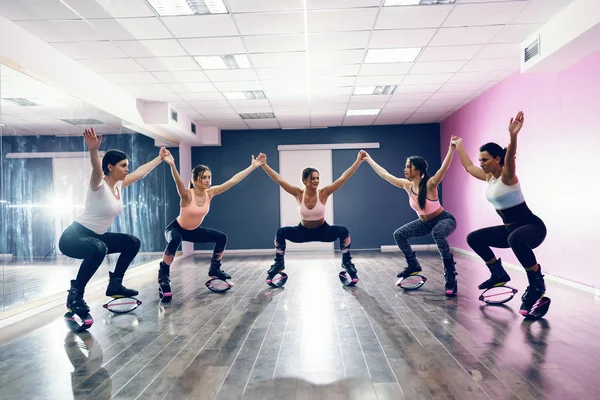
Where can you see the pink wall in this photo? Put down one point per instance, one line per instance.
(557, 163)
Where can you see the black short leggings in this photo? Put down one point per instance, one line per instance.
(302, 234)
(522, 238)
(77, 241)
(175, 234)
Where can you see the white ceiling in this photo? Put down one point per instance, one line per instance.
(308, 71)
(52, 106)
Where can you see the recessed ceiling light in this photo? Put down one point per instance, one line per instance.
(229, 61)
(21, 101)
(166, 8)
(416, 2)
(407, 54)
(372, 111)
(257, 115)
(246, 95)
(82, 121)
(375, 90)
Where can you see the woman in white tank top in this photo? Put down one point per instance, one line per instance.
(87, 238)
(522, 231)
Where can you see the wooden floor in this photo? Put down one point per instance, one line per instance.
(26, 281)
(314, 339)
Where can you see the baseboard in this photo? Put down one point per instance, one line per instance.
(19, 313)
(421, 247)
(552, 278)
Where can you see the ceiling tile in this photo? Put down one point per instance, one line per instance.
(197, 26)
(271, 23)
(352, 19)
(338, 40)
(231, 75)
(274, 43)
(465, 35)
(151, 48)
(449, 53)
(436, 67)
(412, 17)
(131, 28)
(484, 14)
(213, 46)
(257, 6)
(168, 63)
(401, 38)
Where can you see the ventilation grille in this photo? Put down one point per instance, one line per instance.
(532, 50)
(82, 121)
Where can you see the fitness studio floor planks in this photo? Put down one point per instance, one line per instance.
(313, 339)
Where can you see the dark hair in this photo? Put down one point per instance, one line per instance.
(197, 172)
(112, 157)
(495, 150)
(307, 173)
(420, 165)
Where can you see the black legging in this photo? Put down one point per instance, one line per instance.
(175, 234)
(79, 242)
(302, 234)
(522, 238)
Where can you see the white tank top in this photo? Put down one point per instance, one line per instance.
(503, 196)
(101, 208)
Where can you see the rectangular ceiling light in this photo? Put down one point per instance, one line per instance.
(372, 111)
(376, 90)
(229, 61)
(416, 2)
(166, 8)
(21, 102)
(246, 95)
(407, 54)
(257, 115)
(82, 121)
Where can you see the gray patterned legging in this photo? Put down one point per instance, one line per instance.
(440, 228)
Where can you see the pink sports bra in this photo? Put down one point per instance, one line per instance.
(191, 216)
(315, 214)
(431, 206)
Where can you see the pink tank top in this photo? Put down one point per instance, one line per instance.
(431, 206)
(191, 216)
(314, 214)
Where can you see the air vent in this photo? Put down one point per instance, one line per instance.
(22, 102)
(82, 121)
(174, 115)
(532, 50)
(193, 128)
(257, 115)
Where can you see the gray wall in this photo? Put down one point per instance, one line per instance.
(368, 206)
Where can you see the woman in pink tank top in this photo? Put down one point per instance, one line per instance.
(195, 204)
(312, 226)
(433, 219)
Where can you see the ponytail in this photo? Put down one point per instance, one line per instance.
(423, 189)
(420, 165)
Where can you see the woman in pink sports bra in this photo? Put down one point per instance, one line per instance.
(312, 226)
(433, 219)
(195, 204)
